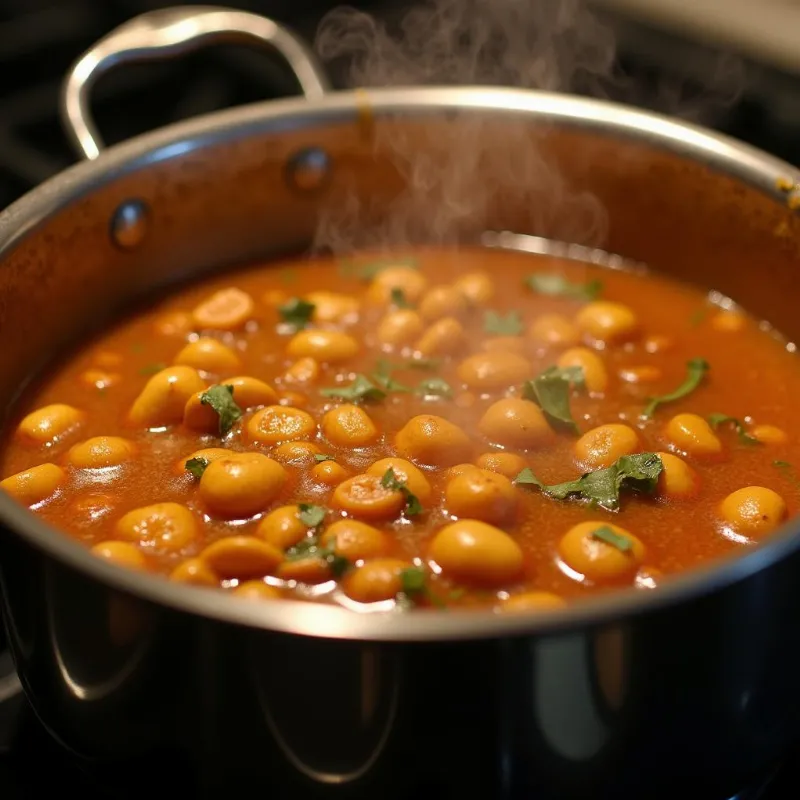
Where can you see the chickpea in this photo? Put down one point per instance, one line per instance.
(602, 446)
(356, 541)
(296, 454)
(489, 371)
(597, 560)
(482, 495)
(49, 424)
(376, 580)
(100, 379)
(533, 601)
(275, 424)
(728, 321)
(400, 328)
(123, 554)
(677, 479)
(333, 307)
(504, 344)
(329, 473)
(753, 511)
(226, 310)
(162, 526)
(472, 552)
(257, 590)
(349, 426)
(35, 485)
(164, 397)
(206, 453)
(693, 435)
(647, 373)
(101, 451)
(332, 347)
(477, 287)
(304, 370)
(432, 441)
(443, 338)
(554, 330)
(460, 469)
(195, 572)
(311, 570)
(768, 434)
(442, 301)
(173, 323)
(293, 399)
(595, 375)
(512, 422)
(364, 496)
(282, 528)
(209, 355)
(251, 392)
(508, 464)
(241, 485)
(413, 477)
(605, 321)
(409, 280)
(241, 557)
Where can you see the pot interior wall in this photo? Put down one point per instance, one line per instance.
(228, 199)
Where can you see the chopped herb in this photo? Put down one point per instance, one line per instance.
(696, 369)
(383, 377)
(320, 457)
(637, 473)
(310, 547)
(782, 464)
(610, 536)
(559, 286)
(508, 325)
(415, 586)
(220, 398)
(434, 387)
(390, 481)
(550, 390)
(310, 515)
(297, 312)
(398, 298)
(197, 466)
(362, 389)
(366, 272)
(715, 420)
(152, 369)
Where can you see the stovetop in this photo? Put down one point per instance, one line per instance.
(40, 38)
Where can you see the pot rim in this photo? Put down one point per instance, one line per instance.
(720, 152)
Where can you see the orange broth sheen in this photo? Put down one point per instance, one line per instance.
(753, 377)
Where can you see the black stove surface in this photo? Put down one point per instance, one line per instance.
(38, 41)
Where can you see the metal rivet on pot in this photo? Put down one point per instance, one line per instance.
(129, 224)
(308, 169)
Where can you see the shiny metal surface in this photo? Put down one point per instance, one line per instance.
(169, 32)
(691, 688)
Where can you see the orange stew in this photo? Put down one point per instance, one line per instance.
(459, 428)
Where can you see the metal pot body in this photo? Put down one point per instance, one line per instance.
(696, 690)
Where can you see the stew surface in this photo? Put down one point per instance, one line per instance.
(456, 428)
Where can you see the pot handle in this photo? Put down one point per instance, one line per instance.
(172, 32)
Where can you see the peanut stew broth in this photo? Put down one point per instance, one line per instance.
(413, 432)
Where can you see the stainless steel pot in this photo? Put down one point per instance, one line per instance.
(639, 694)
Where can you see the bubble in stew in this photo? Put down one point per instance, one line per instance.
(471, 428)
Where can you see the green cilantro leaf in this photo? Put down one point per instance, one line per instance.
(310, 547)
(297, 312)
(383, 377)
(414, 582)
(696, 368)
(434, 387)
(716, 419)
(550, 390)
(197, 466)
(362, 389)
(412, 579)
(220, 398)
(390, 481)
(398, 298)
(610, 536)
(310, 515)
(508, 325)
(637, 473)
(320, 457)
(559, 286)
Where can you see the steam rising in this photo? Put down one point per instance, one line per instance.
(458, 172)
